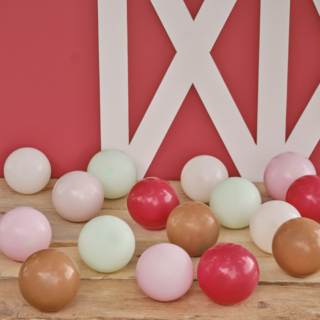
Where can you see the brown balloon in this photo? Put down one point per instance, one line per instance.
(194, 227)
(296, 247)
(49, 280)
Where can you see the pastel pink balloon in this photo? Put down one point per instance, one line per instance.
(78, 196)
(165, 272)
(283, 170)
(24, 231)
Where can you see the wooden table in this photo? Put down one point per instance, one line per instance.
(117, 295)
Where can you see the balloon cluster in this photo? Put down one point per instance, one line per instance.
(49, 279)
(228, 273)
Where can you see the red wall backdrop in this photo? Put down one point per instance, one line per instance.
(49, 79)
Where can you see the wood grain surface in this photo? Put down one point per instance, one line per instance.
(117, 295)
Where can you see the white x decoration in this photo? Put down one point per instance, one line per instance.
(193, 64)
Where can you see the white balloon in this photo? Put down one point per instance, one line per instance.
(27, 170)
(267, 219)
(200, 175)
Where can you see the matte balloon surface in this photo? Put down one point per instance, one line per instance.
(78, 196)
(304, 194)
(267, 219)
(228, 273)
(106, 244)
(296, 247)
(27, 170)
(165, 272)
(282, 170)
(116, 172)
(193, 227)
(49, 280)
(23, 231)
(150, 202)
(200, 175)
(234, 201)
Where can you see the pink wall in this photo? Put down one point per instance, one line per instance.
(49, 79)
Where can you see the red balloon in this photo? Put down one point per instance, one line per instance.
(304, 195)
(150, 202)
(228, 273)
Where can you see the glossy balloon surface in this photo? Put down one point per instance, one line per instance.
(23, 231)
(49, 280)
(116, 172)
(200, 175)
(194, 227)
(150, 202)
(282, 170)
(78, 196)
(267, 219)
(27, 170)
(228, 273)
(296, 247)
(234, 201)
(304, 194)
(106, 244)
(165, 272)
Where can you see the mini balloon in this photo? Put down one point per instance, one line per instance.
(228, 273)
(106, 244)
(267, 219)
(27, 170)
(282, 170)
(296, 247)
(165, 272)
(78, 196)
(304, 195)
(23, 231)
(116, 172)
(200, 175)
(150, 202)
(234, 201)
(49, 280)
(193, 227)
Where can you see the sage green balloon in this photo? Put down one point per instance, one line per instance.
(106, 244)
(234, 201)
(116, 172)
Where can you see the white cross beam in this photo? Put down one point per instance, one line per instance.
(193, 64)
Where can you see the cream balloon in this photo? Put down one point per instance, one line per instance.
(116, 172)
(234, 201)
(200, 175)
(27, 170)
(106, 244)
(78, 196)
(267, 219)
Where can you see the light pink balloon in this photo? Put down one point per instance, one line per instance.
(78, 196)
(24, 231)
(283, 170)
(165, 272)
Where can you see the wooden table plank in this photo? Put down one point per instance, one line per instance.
(122, 299)
(270, 272)
(65, 233)
(42, 200)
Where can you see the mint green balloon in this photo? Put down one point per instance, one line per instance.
(234, 201)
(116, 172)
(106, 244)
